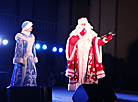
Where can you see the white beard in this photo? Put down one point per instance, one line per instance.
(84, 45)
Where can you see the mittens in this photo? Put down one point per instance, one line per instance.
(109, 37)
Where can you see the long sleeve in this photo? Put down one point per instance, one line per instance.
(34, 53)
(72, 41)
(97, 44)
(101, 42)
(72, 62)
(70, 54)
(105, 40)
(18, 56)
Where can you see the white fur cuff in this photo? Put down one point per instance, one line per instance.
(17, 60)
(70, 72)
(100, 74)
(72, 87)
(104, 40)
(35, 59)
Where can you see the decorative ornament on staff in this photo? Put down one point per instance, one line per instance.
(108, 35)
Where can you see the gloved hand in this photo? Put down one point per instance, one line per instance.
(83, 32)
(109, 37)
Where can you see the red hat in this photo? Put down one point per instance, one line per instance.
(82, 20)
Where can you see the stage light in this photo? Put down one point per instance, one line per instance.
(44, 47)
(37, 46)
(5, 42)
(54, 49)
(60, 50)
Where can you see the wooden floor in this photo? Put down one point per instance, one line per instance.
(61, 94)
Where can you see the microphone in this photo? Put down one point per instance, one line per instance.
(84, 31)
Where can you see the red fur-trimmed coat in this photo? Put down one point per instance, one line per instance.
(84, 59)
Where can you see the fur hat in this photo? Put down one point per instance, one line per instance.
(82, 20)
(26, 25)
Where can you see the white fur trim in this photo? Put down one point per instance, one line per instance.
(72, 55)
(79, 35)
(31, 41)
(82, 20)
(100, 72)
(17, 60)
(72, 87)
(35, 59)
(25, 32)
(100, 76)
(69, 72)
(19, 35)
(84, 45)
(26, 25)
(104, 40)
(98, 53)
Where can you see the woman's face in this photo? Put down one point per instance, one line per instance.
(29, 29)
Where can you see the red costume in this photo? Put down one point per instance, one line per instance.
(84, 56)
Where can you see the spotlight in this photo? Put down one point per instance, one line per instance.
(37, 46)
(44, 47)
(60, 50)
(5, 42)
(54, 49)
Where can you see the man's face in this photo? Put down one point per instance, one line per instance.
(83, 24)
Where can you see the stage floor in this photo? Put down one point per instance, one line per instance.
(61, 94)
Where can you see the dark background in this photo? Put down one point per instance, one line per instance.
(53, 21)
